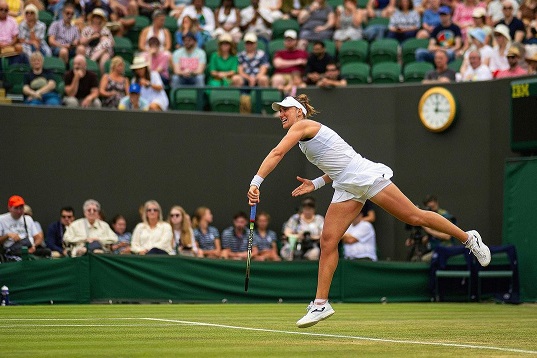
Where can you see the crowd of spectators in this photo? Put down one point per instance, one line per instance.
(175, 232)
(491, 39)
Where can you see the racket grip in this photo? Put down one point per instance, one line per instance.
(253, 210)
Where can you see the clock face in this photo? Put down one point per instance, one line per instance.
(437, 109)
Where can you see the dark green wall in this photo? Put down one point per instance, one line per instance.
(55, 157)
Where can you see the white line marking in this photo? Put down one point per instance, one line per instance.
(456, 345)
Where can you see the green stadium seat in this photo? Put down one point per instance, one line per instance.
(139, 24)
(14, 75)
(224, 100)
(378, 21)
(356, 72)
(415, 71)
(386, 72)
(241, 4)
(260, 45)
(281, 25)
(501, 268)
(329, 46)
(385, 50)
(54, 64)
(458, 266)
(46, 17)
(60, 84)
(123, 47)
(170, 23)
(268, 96)
(213, 4)
(353, 51)
(456, 64)
(362, 4)
(90, 66)
(409, 47)
(275, 45)
(335, 3)
(183, 99)
(210, 47)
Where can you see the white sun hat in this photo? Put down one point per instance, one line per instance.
(289, 102)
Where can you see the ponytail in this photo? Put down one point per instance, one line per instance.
(305, 101)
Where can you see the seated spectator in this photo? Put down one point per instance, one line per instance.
(56, 230)
(305, 227)
(430, 19)
(332, 77)
(495, 11)
(235, 239)
(527, 11)
(317, 62)
(189, 25)
(477, 39)
(98, 39)
(317, 23)
(148, 8)
(153, 235)
(479, 17)
(133, 101)
(123, 245)
(18, 230)
(189, 63)
(517, 30)
(207, 236)
(289, 60)
(291, 88)
(152, 88)
(274, 6)
(531, 31)
(63, 36)
(156, 29)
(369, 212)
(32, 33)
(446, 36)
(159, 60)
(228, 20)
(89, 233)
(377, 9)
(498, 61)
(81, 86)
(124, 8)
(253, 64)
(114, 85)
(204, 16)
(291, 8)
(117, 21)
(514, 70)
(224, 64)
(442, 73)
(265, 239)
(38, 229)
(183, 236)
(462, 14)
(348, 23)
(39, 85)
(89, 5)
(531, 59)
(404, 22)
(475, 70)
(10, 46)
(257, 20)
(359, 241)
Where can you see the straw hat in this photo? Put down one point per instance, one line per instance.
(139, 62)
(98, 12)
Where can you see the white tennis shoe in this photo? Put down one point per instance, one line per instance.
(315, 314)
(478, 248)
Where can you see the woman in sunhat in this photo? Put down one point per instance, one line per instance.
(152, 88)
(355, 179)
(98, 39)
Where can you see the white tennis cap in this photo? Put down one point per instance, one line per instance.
(289, 102)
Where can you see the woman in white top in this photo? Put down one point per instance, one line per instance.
(156, 29)
(183, 236)
(355, 180)
(498, 60)
(228, 20)
(152, 87)
(153, 235)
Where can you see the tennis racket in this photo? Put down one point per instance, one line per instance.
(250, 243)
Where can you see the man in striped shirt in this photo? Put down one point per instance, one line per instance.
(64, 37)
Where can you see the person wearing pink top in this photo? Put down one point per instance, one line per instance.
(159, 60)
(462, 14)
(513, 57)
(10, 46)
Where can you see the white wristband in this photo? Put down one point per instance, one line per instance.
(256, 181)
(318, 182)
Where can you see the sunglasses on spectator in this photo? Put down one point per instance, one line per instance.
(68, 13)
(175, 215)
(507, 8)
(29, 13)
(67, 216)
(152, 209)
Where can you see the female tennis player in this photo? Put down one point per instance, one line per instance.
(355, 180)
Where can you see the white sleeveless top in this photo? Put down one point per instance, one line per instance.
(160, 35)
(331, 154)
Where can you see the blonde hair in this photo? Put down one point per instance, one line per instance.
(186, 230)
(114, 62)
(305, 101)
(144, 214)
(36, 55)
(198, 215)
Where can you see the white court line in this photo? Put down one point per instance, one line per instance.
(456, 345)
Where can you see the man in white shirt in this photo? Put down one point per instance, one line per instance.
(475, 71)
(90, 231)
(359, 241)
(18, 230)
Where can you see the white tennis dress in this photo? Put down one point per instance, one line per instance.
(354, 177)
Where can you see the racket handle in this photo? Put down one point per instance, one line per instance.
(253, 210)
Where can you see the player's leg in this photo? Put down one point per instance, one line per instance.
(396, 203)
(338, 218)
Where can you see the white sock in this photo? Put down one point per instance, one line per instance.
(320, 301)
(469, 238)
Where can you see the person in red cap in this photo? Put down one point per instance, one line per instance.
(17, 230)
